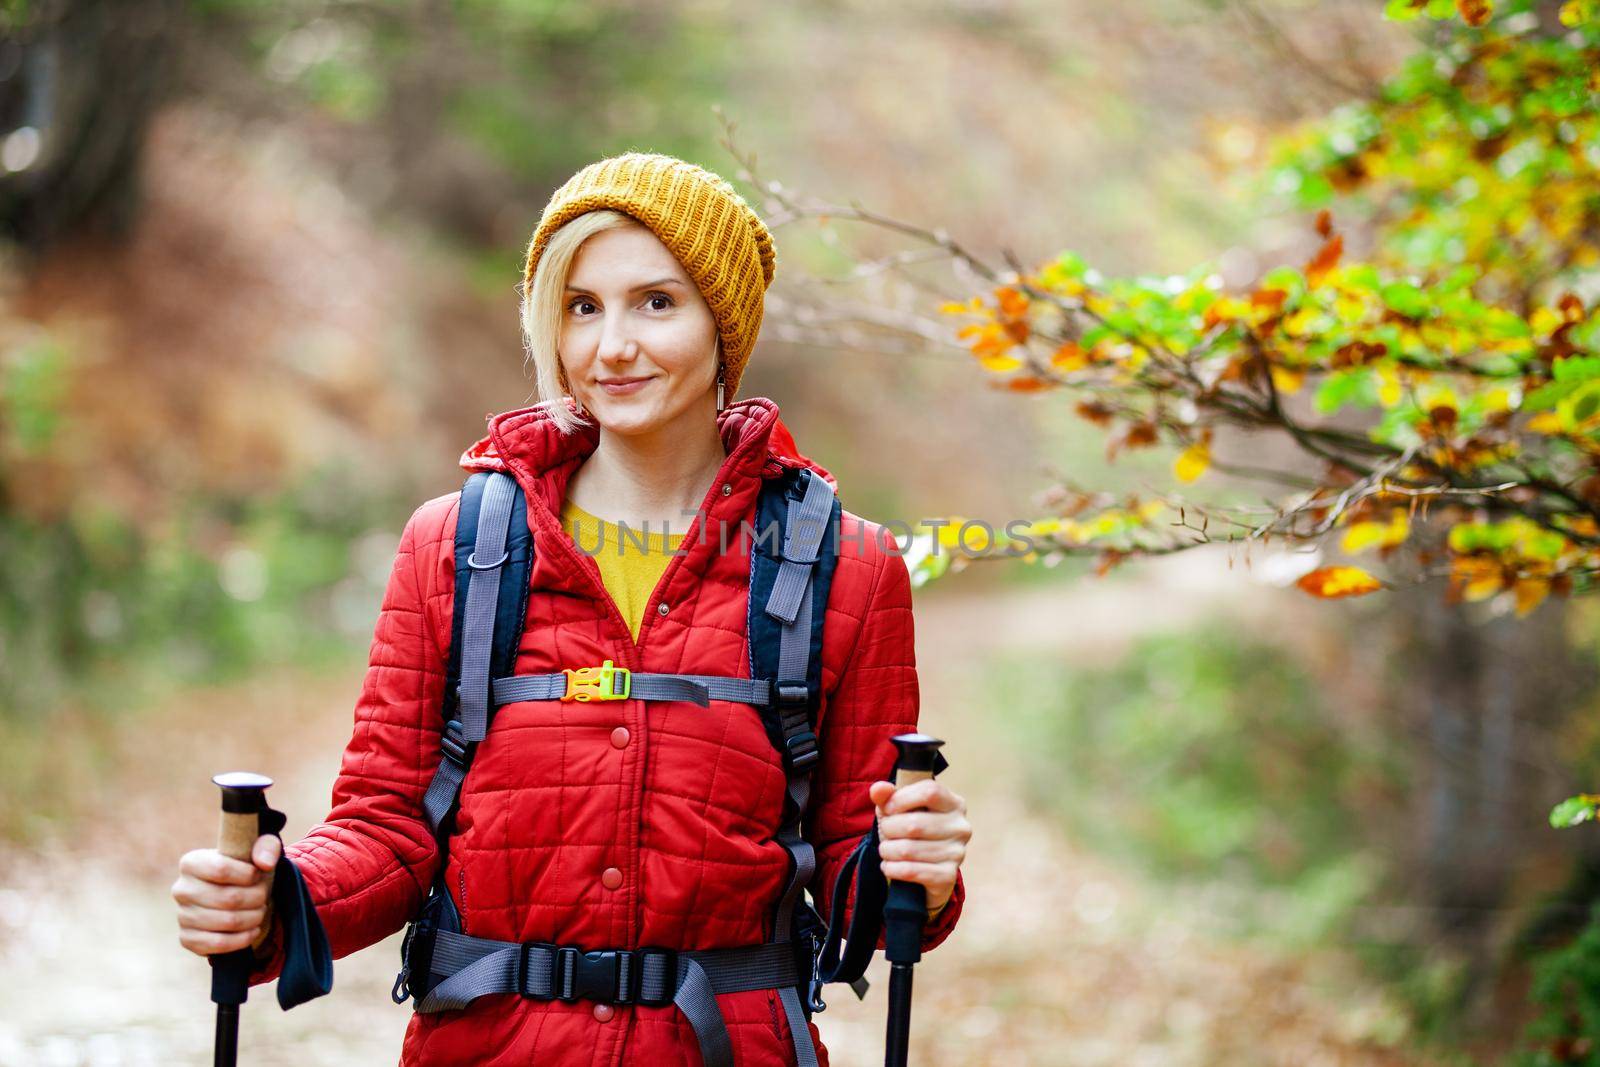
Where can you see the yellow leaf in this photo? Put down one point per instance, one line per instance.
(1288, 380)
(1000, 363)
(1299, 323)
(1497, 399)
(1193, 461)
(954, 308)
(1333, 582)
(949, 532)
(1389, 392)
(1349, 309)
(1546, 422)
(1545, 321)
(1364, 535)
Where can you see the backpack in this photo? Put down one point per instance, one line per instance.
(790, 574)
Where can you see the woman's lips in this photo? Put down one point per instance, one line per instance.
(624, 388)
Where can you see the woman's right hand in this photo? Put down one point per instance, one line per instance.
(222, 902)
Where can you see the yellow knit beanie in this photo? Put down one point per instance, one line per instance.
(719, 239)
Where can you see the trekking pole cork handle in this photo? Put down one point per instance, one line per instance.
(244, 798)
(244, 795)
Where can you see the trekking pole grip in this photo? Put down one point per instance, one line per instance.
(915, 761)
(244, 798)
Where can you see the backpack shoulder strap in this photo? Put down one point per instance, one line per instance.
(494, 554)
(792, 562)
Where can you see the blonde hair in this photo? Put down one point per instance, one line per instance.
(543, 309)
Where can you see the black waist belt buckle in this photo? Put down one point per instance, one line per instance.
(609, 976)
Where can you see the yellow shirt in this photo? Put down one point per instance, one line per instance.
(630, 573)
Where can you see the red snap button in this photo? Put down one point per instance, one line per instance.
(619, 737)
(604, 1012)
(611, 878)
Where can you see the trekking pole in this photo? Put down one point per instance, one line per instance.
(244, 798)
(906, 910)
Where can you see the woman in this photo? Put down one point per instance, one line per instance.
(623, 823)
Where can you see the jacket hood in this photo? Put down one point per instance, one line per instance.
(529, 445)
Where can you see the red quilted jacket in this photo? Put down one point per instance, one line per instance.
(617, 824)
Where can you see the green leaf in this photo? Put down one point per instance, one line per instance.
(1574, 810)
(1405, 299)
(1547, 396)
(1576, 368)
(1582, 405)
(1342, 388)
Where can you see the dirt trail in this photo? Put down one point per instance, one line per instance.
(1059, 959)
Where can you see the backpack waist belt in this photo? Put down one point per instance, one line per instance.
(471, 967)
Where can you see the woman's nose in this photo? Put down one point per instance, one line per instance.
(616, 342)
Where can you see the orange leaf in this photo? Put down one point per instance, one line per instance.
(1325, 224)
(1095, 412)
(1069, 357)
(1529, 593)
(1269, 298)
(1141, 435)
(1475, 12)
(1333, 582)
(1325, 260)
(1013, 302)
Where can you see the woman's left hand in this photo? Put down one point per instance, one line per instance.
(924, 846)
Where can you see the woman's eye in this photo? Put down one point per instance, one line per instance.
(653, 297)
(582, 300)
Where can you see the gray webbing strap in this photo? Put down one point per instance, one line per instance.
(698, 689)
(474, 970)
(802, 536)
(698, 1003)
(805, 1052)
(473, 967)
(477, 639)
(790, 602)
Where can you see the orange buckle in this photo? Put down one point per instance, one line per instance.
(604, 682)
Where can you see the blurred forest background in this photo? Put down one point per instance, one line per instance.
(257, 290)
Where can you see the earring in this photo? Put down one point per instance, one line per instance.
(719, 388)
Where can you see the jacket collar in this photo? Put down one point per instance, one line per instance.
(527, 444)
